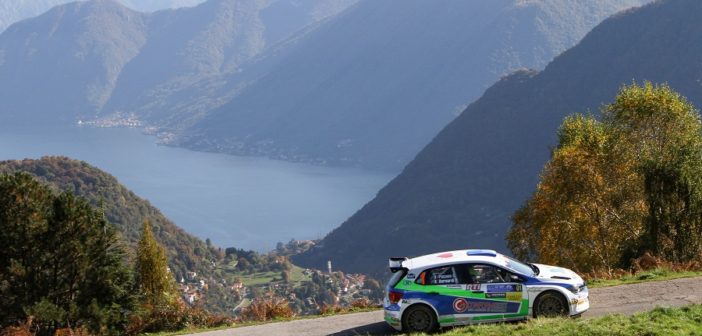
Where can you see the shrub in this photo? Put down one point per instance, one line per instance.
(267, 308)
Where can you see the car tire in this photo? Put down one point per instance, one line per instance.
(418, 319)
(550, 304)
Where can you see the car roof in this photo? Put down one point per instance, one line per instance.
(455, 257)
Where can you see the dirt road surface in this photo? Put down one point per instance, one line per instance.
(625, 299)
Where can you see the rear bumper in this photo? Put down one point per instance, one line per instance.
(394, 319)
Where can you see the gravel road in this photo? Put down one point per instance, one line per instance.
(624, 299)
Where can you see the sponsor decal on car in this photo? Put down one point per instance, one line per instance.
(410, 276)
(460, 305)
(511, 296)
(487, 307)
(473, 287)
(503, 288)
(495, 295)
(514, 296)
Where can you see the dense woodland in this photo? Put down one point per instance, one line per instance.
(64, 268)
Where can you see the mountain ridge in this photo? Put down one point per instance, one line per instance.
(461, 189)
(347, 103)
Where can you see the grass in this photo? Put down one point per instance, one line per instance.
(660, 321)
(263, 278)
(658, 274)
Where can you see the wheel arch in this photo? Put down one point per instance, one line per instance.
(558, 292)
(415, 304)
(420, 303)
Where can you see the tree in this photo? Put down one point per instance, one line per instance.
(153, 279)
(60, 261)
(588, 206)
(663, 131)
(285, 276)
(616, 188)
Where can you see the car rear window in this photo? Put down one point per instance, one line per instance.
(395, 278)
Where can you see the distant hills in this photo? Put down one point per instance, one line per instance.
(192, 59)
(86, 60)
(364, 83)
(65, 63)
(12, 11)
(371, 87)
(122, 207)
(461, 189)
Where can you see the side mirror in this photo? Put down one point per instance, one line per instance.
(515, 278)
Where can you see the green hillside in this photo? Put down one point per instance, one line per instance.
(123, 208)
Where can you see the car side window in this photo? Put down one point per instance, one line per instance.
(480, 274)
(445, 275)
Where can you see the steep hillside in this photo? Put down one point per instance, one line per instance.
(372, 86)
(100, 59)
(188, 50)
(462, 188)
(64, 63)
(12, 11)
(122, 207)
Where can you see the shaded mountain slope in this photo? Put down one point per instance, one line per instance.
(122, 207)
(65, 63)
(461, 189)
(372, 86)
(100, 59)
(190, 49)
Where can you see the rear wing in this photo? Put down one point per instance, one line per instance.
(395, 263)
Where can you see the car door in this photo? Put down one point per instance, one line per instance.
(504, 297)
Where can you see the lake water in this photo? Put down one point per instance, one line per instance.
(244, 202)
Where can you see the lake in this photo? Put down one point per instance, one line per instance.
(242, 202)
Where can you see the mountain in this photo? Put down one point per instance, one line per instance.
(122, 207)
(154, 5)
(12, 11)
(373, 85)
(100, 59)
(462, 188)
(65, 62)
(190, 49)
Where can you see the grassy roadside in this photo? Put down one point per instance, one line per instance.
(658, 274)
(660, 321)
(255, 323)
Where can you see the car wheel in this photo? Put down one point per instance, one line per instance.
(550, 304)
(419, 318)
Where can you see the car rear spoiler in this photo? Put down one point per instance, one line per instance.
(395, 263)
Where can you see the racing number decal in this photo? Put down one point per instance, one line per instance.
(460, 305)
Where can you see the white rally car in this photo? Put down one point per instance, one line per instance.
(477, 286)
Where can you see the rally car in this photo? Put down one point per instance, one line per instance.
(476, 286)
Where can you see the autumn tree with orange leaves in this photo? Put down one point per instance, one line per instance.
(618, 187)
